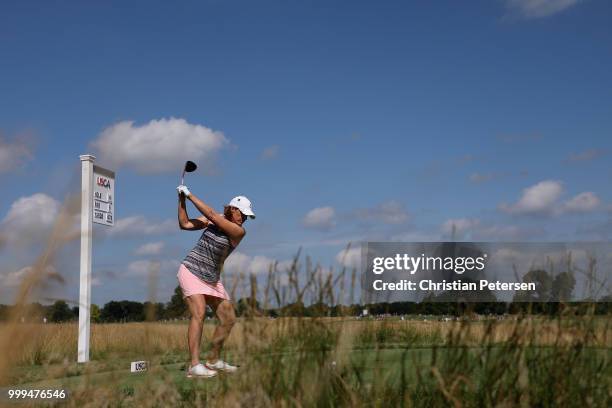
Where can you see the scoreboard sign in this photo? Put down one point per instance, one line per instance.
(103, 196)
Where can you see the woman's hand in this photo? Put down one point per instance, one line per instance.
(186, 223)
(182, 189)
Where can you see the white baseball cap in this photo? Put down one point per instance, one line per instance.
(243, 204)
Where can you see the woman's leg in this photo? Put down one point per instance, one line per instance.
(225, 313)
(197, 308)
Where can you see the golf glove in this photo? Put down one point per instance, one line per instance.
(182, 189)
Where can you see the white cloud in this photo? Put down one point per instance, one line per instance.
(15, 278)
(13, 154)
(524, 259)
(158, 146)
(475, 229)
(139, 225)
(539, 8)
(583, 202)
(151, 248)
(38, 210)
(261, 264)
(145, 268)
(505, 233)
(350, 258)
(587, 155)
(140, 268)
(29, 219)
(239, 262)
(413, 236)
(390, 212)
(321, 218)
(270, 153)
(504, 257)
(459, 227)
(543, 199)
(537, 199)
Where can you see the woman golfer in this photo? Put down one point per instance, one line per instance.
(199, 274)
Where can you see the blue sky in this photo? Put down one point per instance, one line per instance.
(342, 121)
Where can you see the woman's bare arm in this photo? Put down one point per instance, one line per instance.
(189, 224)
(234, 232)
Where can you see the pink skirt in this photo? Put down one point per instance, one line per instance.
(192, 285)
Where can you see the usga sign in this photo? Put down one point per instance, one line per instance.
(103, 196)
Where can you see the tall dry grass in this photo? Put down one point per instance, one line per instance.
(530, 361)
(14, 335)
(562, 360)
(56, 343)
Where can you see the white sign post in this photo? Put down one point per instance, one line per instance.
(97, 205)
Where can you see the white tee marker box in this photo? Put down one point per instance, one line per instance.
(139, 366)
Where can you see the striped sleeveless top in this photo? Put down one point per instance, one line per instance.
(206, 259)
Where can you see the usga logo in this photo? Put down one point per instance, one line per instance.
(103, 182)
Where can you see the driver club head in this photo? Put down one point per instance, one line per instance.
(190, 166)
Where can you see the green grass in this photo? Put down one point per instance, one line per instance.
(378, 375)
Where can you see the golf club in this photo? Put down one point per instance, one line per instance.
(189, 167)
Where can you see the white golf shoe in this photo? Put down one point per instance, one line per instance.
(221, 365)
(199, 370)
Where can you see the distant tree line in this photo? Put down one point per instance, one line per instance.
(111, 312)
(131, 311)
